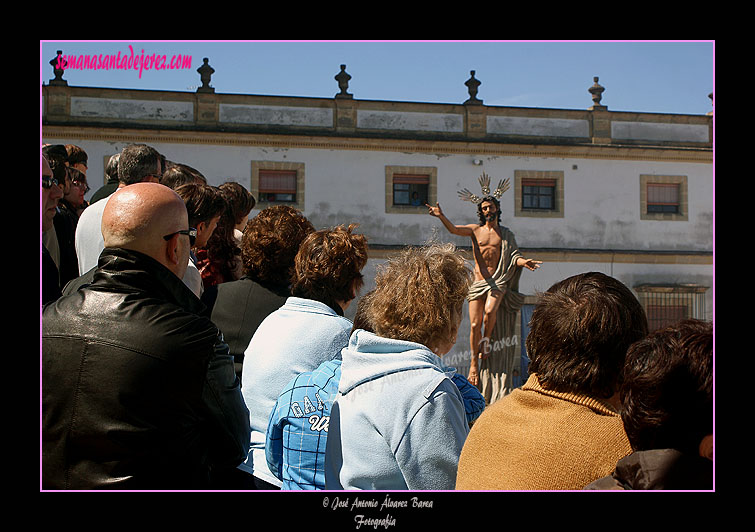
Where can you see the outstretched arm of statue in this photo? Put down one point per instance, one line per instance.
(530, 264)
(461, 230)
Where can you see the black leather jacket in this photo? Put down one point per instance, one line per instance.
(658, 469)
(138, 388)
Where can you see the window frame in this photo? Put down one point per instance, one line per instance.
(551, 178)
(392, 172)
(662, 204)
(540, 183)
(647, 181)
(276, 191)
(277, 166)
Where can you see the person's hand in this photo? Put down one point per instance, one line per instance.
(434, 211)
(473, 377)
(531, 264)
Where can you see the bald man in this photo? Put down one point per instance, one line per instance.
(137, 163)
(138, 387)
(140, 216)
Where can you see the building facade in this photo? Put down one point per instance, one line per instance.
(625, 193)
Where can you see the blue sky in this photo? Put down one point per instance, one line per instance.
(638, 76)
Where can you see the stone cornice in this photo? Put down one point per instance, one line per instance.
(351, 124)
(587, 151)
(584, 255)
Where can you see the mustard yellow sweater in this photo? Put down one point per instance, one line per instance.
(536, 439)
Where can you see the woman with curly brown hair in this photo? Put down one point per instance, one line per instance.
(398, 421)
(268, 247)
(307, 330)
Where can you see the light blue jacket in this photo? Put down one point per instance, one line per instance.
(294, 339)
(297, 434)
(398, 421)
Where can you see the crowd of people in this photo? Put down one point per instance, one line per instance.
(189, 346)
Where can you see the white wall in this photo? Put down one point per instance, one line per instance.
(601, 197)
(601, 206)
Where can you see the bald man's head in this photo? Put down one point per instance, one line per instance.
(138, 217)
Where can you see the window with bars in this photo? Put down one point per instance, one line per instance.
(668, 304)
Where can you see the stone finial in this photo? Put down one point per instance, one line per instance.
(472, 85)
(58, 67)
(597, 94)
(343, 83)
(205, 73)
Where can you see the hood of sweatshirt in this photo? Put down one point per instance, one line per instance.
(369, 357)
(398, 422)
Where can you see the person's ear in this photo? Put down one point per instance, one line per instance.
(171, 250)
(201, 226)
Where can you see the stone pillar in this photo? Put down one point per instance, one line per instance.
(57, 101)
(345, 106)
(600, 126)
(345, 115)
(600, 123)
(475, 121)
(206, 103)
(206, 107)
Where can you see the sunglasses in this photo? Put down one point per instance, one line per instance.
(81, 184)
(77, 178)
(48, 181)
(190, 232)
